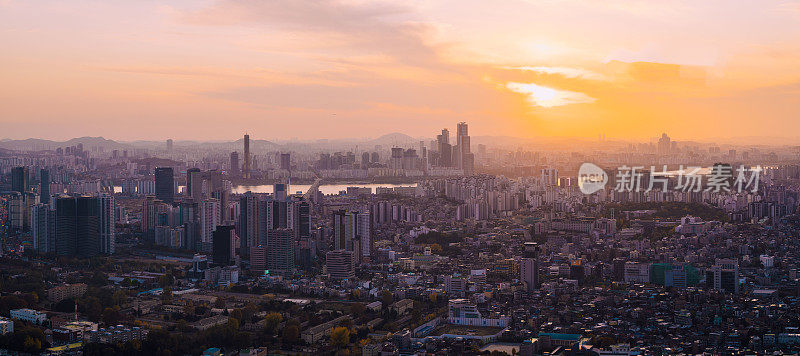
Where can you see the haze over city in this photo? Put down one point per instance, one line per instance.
(387, 178)
(208, 70)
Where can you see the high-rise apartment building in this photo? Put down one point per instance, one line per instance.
(248, 226)
(43, 224)
(358, 235)
(246, 168)
(280, 251)
(339, 264)
(529, 267)
(208, 220)
(105, 206)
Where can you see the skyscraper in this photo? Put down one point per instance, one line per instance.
(301, 219)
(194, 183)
(165, 184)
(19, 179)
(724, 276)
(169, 144)
(339, 242)
(248, 225)
(105, 208)
(224, 251)
(151, 208)
(529, 267)
(77, 227)
(280, 251)
(43, 223)
(445, 149)
(246, 168)
(280, 191)
(358, 235)
(465, 160)
(286, 161)
(209, 219)
(339, 264)
(44, 186)
(234, 169)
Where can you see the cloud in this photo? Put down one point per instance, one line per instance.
(568, 72)
(548, 97)
(371, 27)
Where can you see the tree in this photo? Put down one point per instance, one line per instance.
(386, 298)
(340, 336)
(111, 316)
(291, 334)
(271, 322)
(357, 309)
(166, 296)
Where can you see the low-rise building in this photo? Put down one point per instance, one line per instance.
(67, 291)
(6, 326)
(29, 315)
(462, 312)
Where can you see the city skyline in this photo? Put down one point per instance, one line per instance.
(309, 70)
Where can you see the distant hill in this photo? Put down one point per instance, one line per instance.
(394, 139)
(36, 144)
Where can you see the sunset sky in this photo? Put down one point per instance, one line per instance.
(127, 70)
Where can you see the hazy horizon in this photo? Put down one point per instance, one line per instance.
(733, 141)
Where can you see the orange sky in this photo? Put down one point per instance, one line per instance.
(701, 70)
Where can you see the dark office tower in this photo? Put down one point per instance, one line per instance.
(365, 160)
(165, 184)
(339, 234)
(280, 251)
(77, 227)
(44, 186)
(234, 170)
(19, 179)
(445, 155)
(194, 183)
(286, 161)
(224, 249)
(444, 137)
(376, 157)
(169, 145)
(324, 161)
(246, 168)
(529, 266)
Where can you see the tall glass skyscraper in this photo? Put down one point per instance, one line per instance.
(165, 184)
